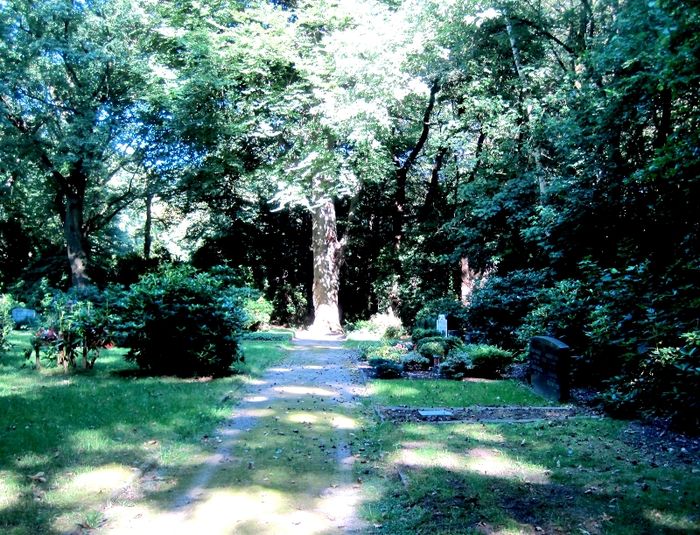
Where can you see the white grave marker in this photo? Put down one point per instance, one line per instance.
(442, 324)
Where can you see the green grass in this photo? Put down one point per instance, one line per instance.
(433, 393)
(278, 334)
(577, 476)
(89, 432)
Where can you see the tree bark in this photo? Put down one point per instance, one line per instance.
(402, 170)
(431, 197)
(75, 241)
(147, 238)
(327, 252)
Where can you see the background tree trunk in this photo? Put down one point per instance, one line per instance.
(327, 252)
(75, 242)
(147, 238)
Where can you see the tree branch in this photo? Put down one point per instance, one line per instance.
(545, 33)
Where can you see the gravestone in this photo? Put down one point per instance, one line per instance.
(441, 324)
(550, 367)
(23, 316)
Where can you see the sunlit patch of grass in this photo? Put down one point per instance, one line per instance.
(564, 477)
(62, 434)
(434, 393)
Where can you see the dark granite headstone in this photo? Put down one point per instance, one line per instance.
(549, 368)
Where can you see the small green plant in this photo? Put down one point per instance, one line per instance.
(257, 312)
(488, 360)
(366, 348)
(74, 325)
(448, 343)
(414, 361)
(392, 352)
(431, 350)
(419, 334)
(457, 365)
(385, 368)
(393, 332)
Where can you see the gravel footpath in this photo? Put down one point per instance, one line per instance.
(318, 375)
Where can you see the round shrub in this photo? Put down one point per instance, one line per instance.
(431, 349)
(257, 312)
(385, 368)
(419, 333)
(414, 361)
(366, 348)
(488, 360)
(457, 365)
(392, 352)
(180, 322)
(452, 343)
(448, 343)
(393, 332)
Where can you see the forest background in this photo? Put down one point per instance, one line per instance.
(524, 167)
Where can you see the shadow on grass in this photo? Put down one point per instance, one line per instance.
(573, 477)
(161, 431)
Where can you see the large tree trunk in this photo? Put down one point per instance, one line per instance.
(327, 251)
(147, 238)
(75, 241)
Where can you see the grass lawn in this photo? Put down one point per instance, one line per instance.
(583, 476)
(432, 393)
(70, 441)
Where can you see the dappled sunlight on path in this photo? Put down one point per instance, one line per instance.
(283, 464)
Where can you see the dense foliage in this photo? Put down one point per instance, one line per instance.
(6, 323)
(180, 322)
(524, 168)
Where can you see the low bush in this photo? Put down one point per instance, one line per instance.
(386, 368)
(414, 361)
(74, 325)
(6, 323)
(419, 333)
(392, 352)
(256, 312)
(364, 348)
(488, 360)
(181, 322)
(431, 349)
(666, 382)
(393, 332)
(448, 343)
(457, 365)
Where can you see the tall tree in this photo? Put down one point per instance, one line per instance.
(71, 77)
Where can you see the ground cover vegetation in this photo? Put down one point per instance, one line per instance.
(571, 476)
(522, 167)
(72, 443)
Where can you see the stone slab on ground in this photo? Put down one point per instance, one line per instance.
(434, 413)
(483, 414)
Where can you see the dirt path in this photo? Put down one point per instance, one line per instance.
(284, 463)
